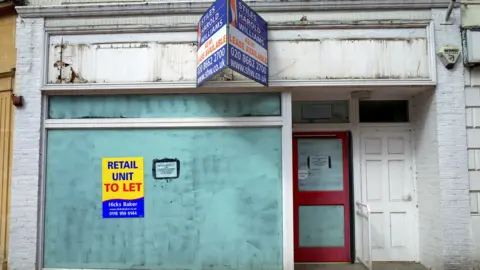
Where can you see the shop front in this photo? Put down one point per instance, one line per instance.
(315, 147)
(184, 198)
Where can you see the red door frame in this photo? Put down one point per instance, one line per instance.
(327, 254)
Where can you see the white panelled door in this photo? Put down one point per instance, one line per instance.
(388, 188)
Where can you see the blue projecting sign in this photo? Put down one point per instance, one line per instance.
(232, 35)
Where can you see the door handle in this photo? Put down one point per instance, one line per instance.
(407, 198)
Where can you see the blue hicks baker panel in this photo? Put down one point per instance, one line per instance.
(130, 208)
(164, 106)
(223, 212)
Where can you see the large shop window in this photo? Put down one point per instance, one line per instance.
(224, 211)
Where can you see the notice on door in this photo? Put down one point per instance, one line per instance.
(123, 187)
(319, 162)
(302, 174)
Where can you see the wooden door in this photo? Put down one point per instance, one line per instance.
(321, 197)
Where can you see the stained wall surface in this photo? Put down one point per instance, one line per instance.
(399, 53)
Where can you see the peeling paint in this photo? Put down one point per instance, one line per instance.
(63, 46)
(122, 45)
(406, 39)
(59, 64)
(303, 58)
(65, 72)
(351, 59)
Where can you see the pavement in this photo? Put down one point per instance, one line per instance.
(357, 266)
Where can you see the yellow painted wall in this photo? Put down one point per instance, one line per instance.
(8, 52)
(7, 62)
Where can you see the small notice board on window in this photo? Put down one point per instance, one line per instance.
(166, 168)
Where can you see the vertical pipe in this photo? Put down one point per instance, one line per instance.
(449, 10)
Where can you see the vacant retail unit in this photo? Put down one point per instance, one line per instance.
(123, 159)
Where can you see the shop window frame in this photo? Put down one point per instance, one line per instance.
(284, 121)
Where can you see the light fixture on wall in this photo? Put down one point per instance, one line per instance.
(17, 100)
(362, 94)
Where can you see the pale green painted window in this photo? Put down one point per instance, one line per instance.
(164, 106)
(223, 212)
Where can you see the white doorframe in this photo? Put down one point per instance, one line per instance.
(357, 179)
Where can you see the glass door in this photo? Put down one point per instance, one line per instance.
(321, 197)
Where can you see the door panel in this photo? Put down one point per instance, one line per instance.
(328, 233)
(387, 175)
(321, 197)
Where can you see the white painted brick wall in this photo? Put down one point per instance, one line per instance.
(25, 171)
(472, 103)
(428, 191)
(442, 172)
(454, 204)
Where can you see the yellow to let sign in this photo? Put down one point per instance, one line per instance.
(123, 187)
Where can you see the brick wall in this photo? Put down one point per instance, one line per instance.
(25, 171)
(452, 157)
(472, 103)
(428, 191)
(445, 237)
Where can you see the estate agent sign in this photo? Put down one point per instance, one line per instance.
(231, 35)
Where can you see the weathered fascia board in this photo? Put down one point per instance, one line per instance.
(386, 18)
(284, 25)
(230, 86)
(54, 8)
(294, 55)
